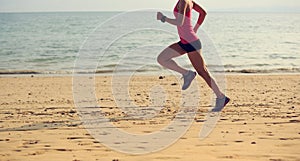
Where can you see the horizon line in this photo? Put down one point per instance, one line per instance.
(220, 11)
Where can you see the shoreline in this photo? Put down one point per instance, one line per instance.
(282, 70)
(139, 74)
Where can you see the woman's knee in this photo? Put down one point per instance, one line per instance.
(160, 58)
(169, 53)
(164, 56)
(202, 71)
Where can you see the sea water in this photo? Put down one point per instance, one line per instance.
(105, 42)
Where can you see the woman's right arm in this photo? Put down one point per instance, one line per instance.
(202, 14)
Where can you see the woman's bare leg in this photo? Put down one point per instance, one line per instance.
(199, 64)
(165, 58)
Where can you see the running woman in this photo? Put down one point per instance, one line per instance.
(189, 43)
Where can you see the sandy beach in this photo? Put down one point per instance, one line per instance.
(39, 121)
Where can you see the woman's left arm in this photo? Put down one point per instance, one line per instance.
(202, 14)
(181, 15)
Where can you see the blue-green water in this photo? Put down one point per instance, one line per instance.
(51, 42)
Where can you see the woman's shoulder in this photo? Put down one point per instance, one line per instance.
(184, 2)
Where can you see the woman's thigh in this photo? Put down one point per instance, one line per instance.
(171, 51)
(197, 60)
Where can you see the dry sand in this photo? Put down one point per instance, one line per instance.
(38, 120)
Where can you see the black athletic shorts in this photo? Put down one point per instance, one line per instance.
(190, 47)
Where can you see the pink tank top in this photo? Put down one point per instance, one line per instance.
(186, 31)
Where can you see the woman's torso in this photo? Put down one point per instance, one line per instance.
(186, 31)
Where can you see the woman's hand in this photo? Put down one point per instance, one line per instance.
(196, 28)
(159, 16)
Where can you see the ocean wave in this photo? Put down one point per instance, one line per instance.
(8, 72)
(275, 70)
(145, 71)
